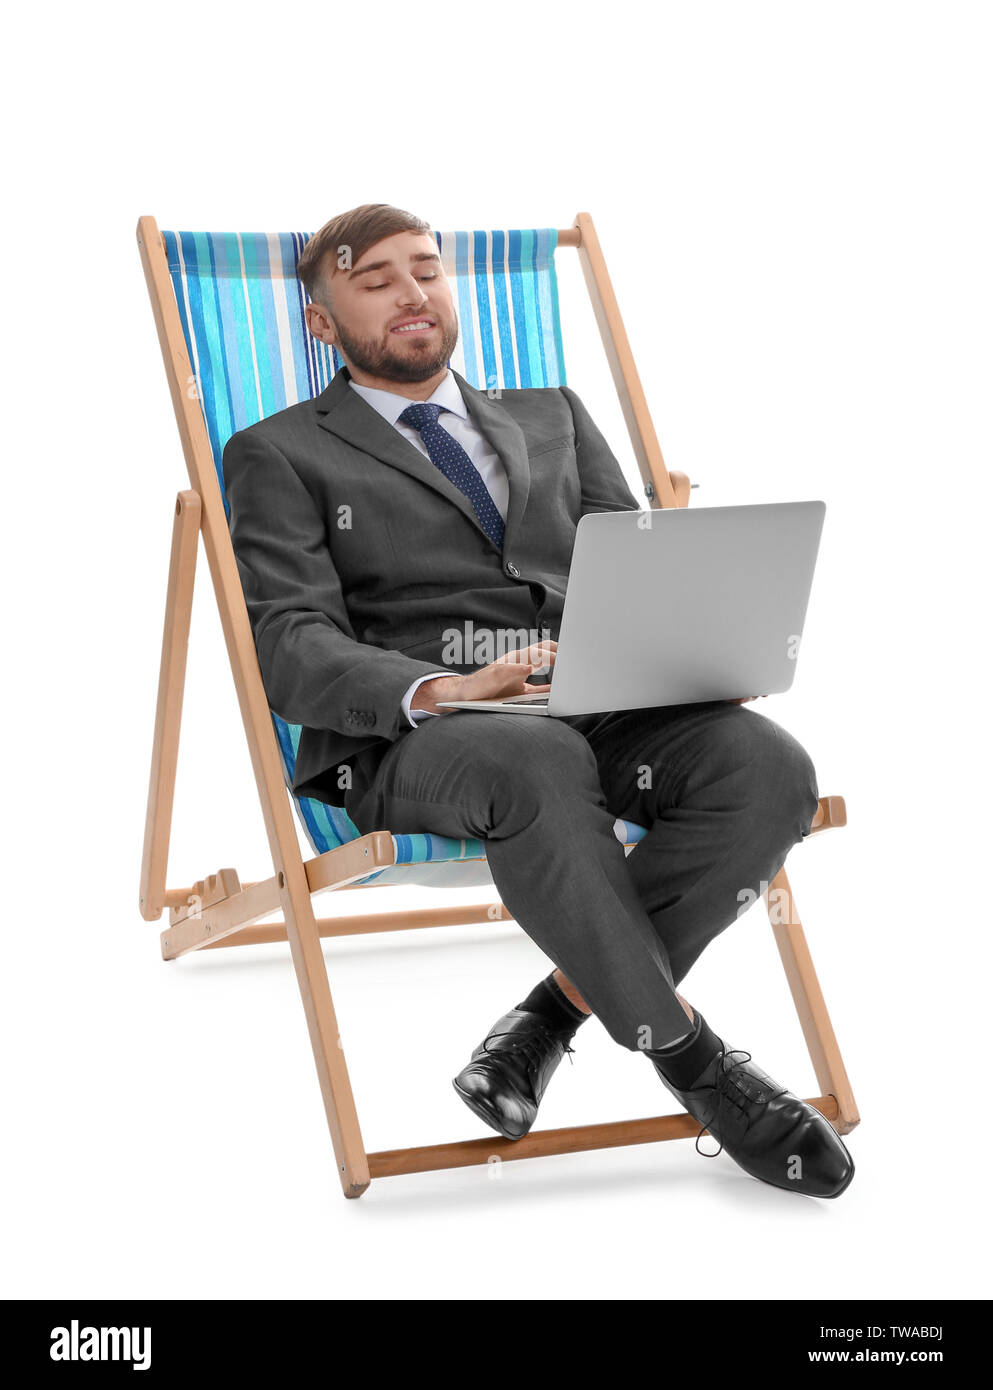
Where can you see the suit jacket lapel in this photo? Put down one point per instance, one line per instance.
(343, 412)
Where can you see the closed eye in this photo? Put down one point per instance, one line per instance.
(386, 284)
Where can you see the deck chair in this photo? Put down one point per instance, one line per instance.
(230, 321)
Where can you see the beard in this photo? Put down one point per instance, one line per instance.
(379, 359)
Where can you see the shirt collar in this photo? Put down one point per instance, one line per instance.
(391, 405)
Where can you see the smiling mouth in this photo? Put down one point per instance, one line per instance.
(415, 326)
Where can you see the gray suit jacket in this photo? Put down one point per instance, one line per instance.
(356, 554)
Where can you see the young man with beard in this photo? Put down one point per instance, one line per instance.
(401, 503)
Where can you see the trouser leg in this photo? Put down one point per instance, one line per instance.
(530, 788)
(725, 793)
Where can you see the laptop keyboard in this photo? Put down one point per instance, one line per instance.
(525, 700)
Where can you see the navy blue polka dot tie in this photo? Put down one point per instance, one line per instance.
(448, 455)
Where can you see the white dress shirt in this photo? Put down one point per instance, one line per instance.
(455, 419)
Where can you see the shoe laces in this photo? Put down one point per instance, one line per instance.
(528, 1042)
(730, 1058)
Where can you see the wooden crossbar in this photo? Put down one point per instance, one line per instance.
(391, 1163)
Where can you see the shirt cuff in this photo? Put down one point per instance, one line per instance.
(417, 716)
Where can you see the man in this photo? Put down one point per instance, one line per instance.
(402, 504)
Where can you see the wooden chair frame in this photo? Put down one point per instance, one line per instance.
(220, 910)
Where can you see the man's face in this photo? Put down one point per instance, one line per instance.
(391, 314)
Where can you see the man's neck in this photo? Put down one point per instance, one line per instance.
(412, 390)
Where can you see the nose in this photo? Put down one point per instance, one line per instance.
(412, 293)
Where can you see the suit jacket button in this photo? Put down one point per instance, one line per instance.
(513, 571)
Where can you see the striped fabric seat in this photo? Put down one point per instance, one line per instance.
(242, 311)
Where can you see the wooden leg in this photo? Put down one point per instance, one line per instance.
(810, 1006)
(169, 709)
(325, 1040)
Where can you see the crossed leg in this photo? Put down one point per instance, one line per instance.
(723, 791)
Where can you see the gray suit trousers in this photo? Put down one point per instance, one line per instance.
(724, 792)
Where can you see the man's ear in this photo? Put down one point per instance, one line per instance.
(321, 324)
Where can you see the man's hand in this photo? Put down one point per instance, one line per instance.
(506, 676)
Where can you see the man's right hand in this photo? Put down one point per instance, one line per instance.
(506, 676)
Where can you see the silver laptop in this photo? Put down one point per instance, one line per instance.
(678, 606)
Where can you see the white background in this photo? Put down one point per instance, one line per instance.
(794, 201)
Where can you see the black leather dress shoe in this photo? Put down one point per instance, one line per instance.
(769, 1132)
(507, 1074)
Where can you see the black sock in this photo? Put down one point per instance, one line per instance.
(548, 1000)
(683, 1062)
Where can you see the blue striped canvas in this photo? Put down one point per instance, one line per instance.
(444, 863)
(242, 311)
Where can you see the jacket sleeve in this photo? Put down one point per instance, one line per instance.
(314, 670)
(604, 487)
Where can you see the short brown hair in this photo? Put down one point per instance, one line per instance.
(357, 230)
